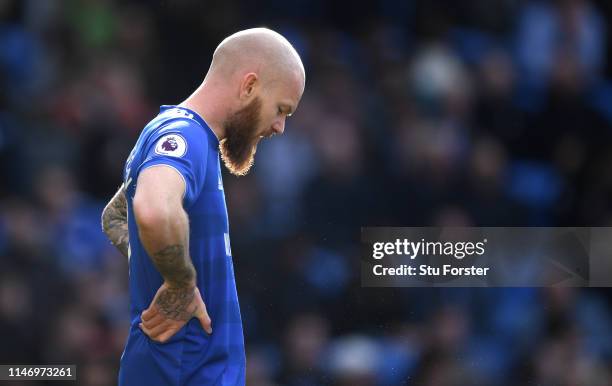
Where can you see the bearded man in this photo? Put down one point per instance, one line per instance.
(169, 216)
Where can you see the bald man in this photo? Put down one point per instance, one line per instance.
(169, 216)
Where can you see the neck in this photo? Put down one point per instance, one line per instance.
(207, 102)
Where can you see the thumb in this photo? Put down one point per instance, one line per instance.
(205, 321)
(202, 314)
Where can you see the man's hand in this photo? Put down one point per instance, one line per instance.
(171, 309)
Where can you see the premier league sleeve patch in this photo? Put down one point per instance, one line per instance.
(172, 145)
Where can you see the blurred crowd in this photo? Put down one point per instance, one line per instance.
(416, 113)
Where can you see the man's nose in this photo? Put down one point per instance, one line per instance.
(279, 126)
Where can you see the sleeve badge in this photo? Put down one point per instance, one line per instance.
(172, 145)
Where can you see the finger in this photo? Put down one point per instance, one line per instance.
(161, 339)
(202, 315)
(164, 337)
(205, 322)
(154, 321)
(158, 330)
(145, 330)
(149, 331)
(148, 313)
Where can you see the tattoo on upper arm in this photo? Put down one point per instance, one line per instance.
(114, 221)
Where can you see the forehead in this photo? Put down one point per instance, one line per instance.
(288, 89)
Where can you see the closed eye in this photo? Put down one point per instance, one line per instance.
(285, 109)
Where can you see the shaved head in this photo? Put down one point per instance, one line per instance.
(255, 81)
(258, 50)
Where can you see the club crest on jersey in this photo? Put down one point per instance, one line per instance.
(171, 144)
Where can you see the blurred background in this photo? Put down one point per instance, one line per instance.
(433, 112)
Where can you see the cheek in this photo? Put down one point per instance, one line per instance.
(265, 123)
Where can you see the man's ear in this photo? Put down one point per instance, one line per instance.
(249, 83)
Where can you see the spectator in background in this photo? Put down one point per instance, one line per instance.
(548, 32)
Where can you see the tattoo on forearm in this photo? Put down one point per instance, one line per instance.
(174, 264)
(174, 303)
(114, 222)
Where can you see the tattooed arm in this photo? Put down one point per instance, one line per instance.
(163, 226)
(114, 221)
(163, 229)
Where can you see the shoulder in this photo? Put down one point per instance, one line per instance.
(177, 135)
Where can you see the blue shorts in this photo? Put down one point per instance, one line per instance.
(182, 361)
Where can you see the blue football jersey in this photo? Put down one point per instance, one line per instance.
(180, 139)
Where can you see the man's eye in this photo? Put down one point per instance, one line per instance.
(280, 111)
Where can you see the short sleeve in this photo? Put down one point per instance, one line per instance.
(181, 145)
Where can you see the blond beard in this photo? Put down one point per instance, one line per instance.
(237, 168)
